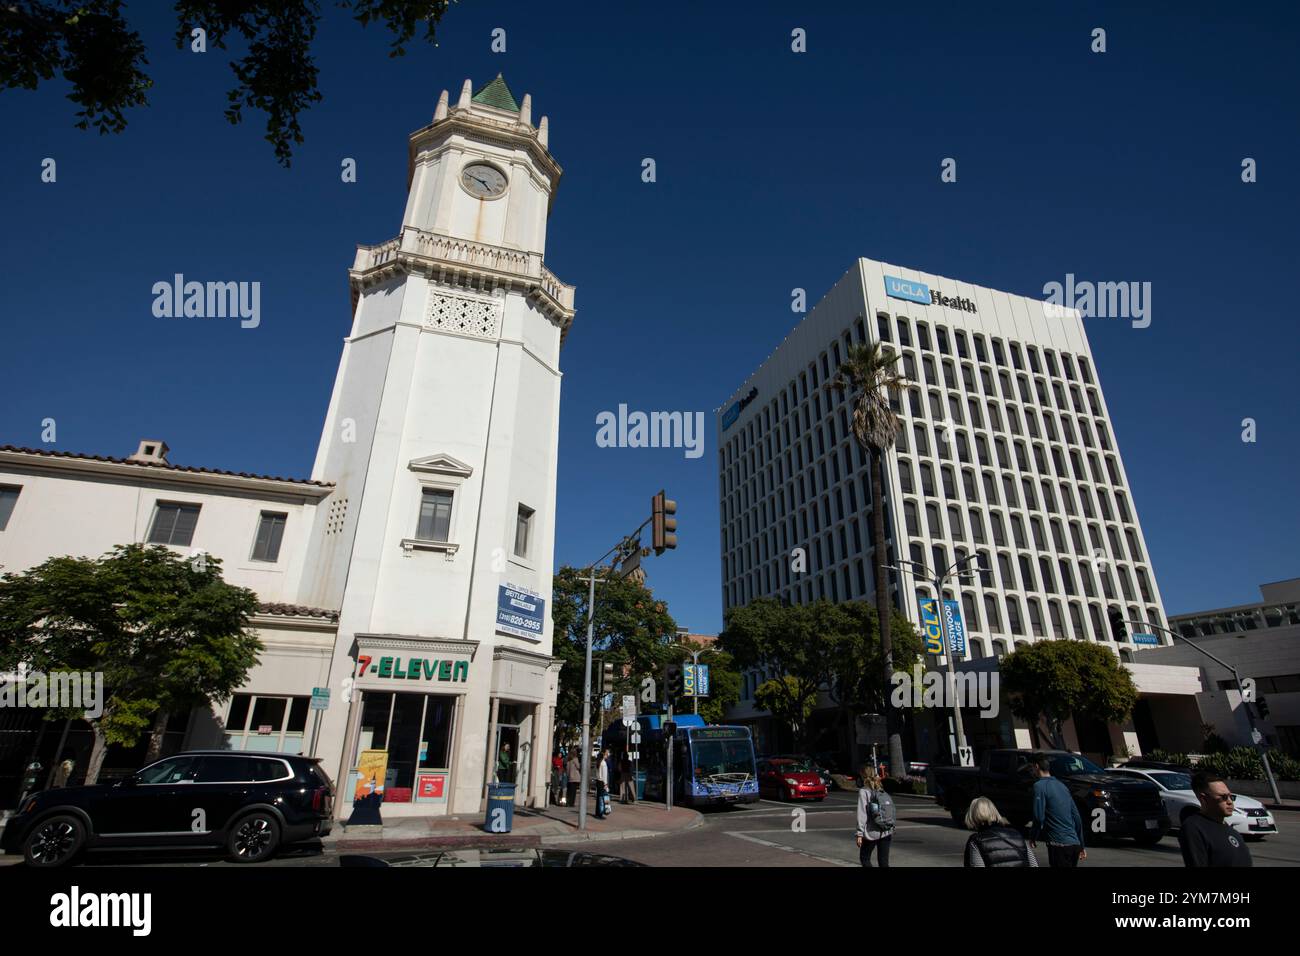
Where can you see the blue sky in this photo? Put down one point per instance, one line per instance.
(775, 170)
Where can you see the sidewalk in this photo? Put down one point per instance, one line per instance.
(532, 827)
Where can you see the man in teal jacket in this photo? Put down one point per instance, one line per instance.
(1056, 818)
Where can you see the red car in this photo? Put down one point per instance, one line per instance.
(786, 779)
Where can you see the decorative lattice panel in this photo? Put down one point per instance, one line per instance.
(464, 315)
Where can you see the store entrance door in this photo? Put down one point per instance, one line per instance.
(507, 754)
(513, 747)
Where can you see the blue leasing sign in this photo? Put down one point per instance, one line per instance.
(1150, 639)
(520, 611)
(907, 289)
(932, 630)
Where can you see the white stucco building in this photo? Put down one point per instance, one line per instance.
(1005, 451)
(411, 573)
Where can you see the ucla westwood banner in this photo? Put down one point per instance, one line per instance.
(932, 630)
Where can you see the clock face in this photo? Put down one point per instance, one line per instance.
(482, 180)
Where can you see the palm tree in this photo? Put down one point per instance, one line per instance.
(869, 375)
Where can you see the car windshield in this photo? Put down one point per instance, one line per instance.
(1064, 765)
(795, 766)
(713, 757)
(1172, 781)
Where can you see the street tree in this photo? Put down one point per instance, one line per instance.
(632, 630)
(1057, 680)
(790, 700)
(93, 47)
(167, 633)
(869, 377)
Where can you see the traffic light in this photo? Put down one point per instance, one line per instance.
(663, 524)
(1118, 629)
(670, 728)
(1261, 707)
(672, 681)
(607, 678)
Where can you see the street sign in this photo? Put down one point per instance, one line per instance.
(1256, 736)
(1149, 639)
(629, 706)
(967, 756)
(320, 698)
(636, 738)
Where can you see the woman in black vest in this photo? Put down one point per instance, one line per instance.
(994, 842)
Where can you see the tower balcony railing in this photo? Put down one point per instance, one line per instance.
(445, 250)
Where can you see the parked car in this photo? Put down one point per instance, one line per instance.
(813, 764)
(1132, 807)
(786, 779)
(248, 803)
(1249, 817)
(493, 857)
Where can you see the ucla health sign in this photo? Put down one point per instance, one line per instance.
(520, 611)
(907, 289)
(932, 629)
(914, 291)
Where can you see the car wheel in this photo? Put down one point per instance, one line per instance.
(253, 838)
(54, 842)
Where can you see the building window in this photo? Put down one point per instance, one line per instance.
(435, 515)
(523, 530)
(8, 498)
(173, 524)
(270, 532)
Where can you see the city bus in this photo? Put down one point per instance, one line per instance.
(711, 764)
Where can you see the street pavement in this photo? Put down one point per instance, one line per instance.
(769, 833)
(773, 834)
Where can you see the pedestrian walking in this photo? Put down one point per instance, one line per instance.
(558, 780)
(575, 777)
(602, 785)
(1205, 837)
(995, 842)
(876, 819)
(626, 780)
(1056, 818)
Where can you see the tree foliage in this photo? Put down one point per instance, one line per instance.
(91, 45)
(822, 646)
(1058, 680)
(167, 633)
(632, 629)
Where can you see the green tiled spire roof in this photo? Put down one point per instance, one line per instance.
(497, 94)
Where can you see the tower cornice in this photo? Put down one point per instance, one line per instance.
(459, 262)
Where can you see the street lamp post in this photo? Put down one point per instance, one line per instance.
(937, 582)
(1254, 731)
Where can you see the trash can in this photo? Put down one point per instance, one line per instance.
(640, 784)
(500, 808)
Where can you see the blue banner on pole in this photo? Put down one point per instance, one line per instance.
(932, 629)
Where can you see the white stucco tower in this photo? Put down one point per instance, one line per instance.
(441, 439)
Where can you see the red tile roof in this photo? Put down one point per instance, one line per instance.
(298, 610)
(49, 453)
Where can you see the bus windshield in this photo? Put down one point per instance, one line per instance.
(716, 757)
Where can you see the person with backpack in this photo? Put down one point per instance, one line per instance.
(995, 842)
(876, 819)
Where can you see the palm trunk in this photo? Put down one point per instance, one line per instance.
(883, 611)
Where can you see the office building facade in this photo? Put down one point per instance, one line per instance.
(1005, 450)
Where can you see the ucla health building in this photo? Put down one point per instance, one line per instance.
(406, 584)
(1005, 451)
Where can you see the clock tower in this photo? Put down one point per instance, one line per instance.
(441, 442)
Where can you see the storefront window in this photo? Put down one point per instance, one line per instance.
(268, 724)
(415, 730)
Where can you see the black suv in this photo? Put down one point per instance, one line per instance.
(248, 803)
